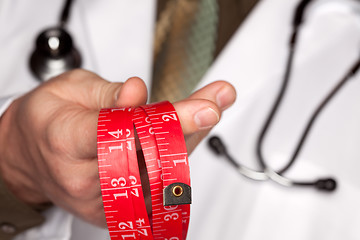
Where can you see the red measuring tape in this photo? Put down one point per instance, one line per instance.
(164, 150)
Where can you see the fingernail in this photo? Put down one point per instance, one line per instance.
(206, 118)
(225, 97)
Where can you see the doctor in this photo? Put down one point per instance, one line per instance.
(56, 122)
(226, 205)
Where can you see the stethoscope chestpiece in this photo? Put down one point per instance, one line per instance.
(54, 54)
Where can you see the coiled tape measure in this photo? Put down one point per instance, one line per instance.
(163, 146)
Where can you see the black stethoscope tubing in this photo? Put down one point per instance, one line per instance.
(325, 184)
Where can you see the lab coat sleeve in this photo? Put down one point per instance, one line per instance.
(15, 216)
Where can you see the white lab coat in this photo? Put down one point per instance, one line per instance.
(114, 37)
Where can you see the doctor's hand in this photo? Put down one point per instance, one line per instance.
(48, 149)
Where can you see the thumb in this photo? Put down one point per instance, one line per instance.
(132, 93)
(93, 92)
(128, 94)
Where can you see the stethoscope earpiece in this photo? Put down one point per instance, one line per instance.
(216, 145)
(327, 185)
(54, 54)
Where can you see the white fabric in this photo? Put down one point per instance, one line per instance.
(58, 227)
(115, 39)
(5, 102)
(227, 206)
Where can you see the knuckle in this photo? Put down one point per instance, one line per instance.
(55, 141)
(73, 75)
(77, 188)
(76, 75)
(107, 94)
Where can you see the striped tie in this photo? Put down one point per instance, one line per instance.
(184, 47)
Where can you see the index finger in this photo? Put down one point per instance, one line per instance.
(202, 110)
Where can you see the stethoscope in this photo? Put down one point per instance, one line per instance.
(266, 172)
(55, 53)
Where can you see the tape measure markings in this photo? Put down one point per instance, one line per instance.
(120, 180)
(118, 168)
(168, 230)
(142, 221)
(166, 114)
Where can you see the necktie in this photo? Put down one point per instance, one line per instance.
(184, 47)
